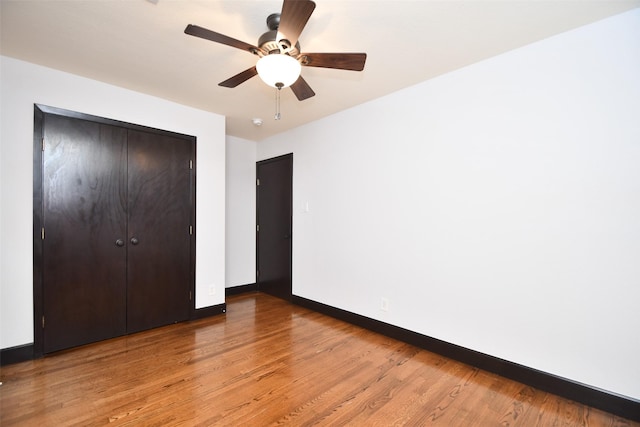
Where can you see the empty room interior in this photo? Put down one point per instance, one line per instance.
(433, 220)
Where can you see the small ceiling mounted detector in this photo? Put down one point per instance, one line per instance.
(280, 59)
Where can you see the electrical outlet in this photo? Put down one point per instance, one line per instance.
(384, 304)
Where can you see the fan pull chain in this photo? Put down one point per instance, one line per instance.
(279, 88)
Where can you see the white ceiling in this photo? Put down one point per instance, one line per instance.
(140, 45)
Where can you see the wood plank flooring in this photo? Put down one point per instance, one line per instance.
(265, 363)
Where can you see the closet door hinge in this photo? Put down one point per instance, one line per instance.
(190, 295)
(257, 273)
(191, 230)
(258, 182)
(258, 227)
(43, 321)
(191, 164)
(42, 233)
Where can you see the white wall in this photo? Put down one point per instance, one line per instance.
(24, 84)
(241, 212)
(496, 207)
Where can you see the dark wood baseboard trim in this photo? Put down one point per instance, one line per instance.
(20, 353)
(235, 290)
(214, 310)
(622, 406)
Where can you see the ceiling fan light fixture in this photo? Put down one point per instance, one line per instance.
(278, 70)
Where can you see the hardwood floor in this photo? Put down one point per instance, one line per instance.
(267, 362)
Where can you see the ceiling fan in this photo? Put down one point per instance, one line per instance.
(280, 59)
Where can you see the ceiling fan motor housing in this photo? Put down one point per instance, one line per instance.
(268, 41)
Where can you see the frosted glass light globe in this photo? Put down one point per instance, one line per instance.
(278, 68)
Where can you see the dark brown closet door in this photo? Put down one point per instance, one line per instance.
(158, 235)
(84, 215)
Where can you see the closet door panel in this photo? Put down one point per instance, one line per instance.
(84, 215)
(159, 188)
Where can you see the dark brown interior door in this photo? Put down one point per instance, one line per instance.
(274, 238)
(84, 217)
(158, 230)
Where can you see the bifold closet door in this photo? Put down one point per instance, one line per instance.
(117, 228)
(159, 240)
(84, 217)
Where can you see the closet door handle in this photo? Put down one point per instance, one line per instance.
(134, 241)
(120, 242)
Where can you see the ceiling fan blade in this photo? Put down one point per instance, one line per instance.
(340, 61)
(293, 18)
(239, 78)
(203, 33)
(302, 90)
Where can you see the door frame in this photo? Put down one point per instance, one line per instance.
(285, 157)
(39, 113)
